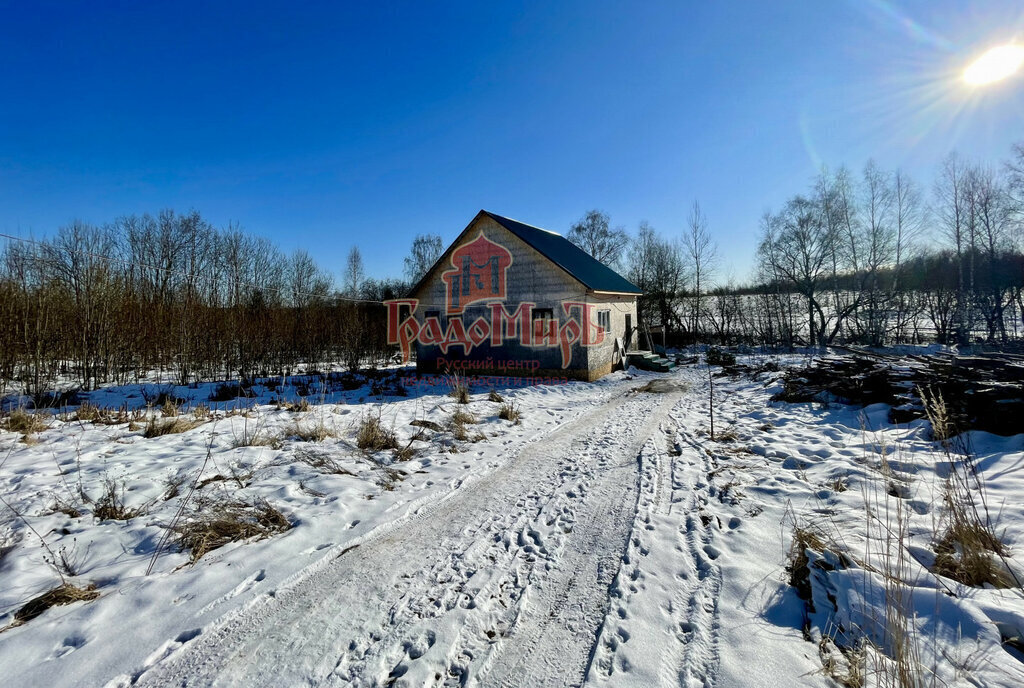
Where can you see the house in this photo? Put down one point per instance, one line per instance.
(508, 298)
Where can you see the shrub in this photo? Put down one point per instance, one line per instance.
(716, 356)
(227, 391)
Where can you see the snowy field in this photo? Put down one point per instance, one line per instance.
(601, 539)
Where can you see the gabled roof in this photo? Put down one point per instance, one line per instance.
(592, 273)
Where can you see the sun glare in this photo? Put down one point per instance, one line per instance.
(995, 65)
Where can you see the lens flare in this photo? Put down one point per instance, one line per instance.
(995, 65)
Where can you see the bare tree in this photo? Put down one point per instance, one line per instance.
(701, 255)
(426, 249)
(655, 264)
(952, 204)
(593, 234)
(908, 218)
(354, 272)
(797, 247)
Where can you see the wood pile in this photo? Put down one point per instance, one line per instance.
(982, 391)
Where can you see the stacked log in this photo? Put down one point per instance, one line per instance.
(981, 391)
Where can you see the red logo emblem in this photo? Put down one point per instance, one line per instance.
(477, 273)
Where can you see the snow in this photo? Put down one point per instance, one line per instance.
(605, 540)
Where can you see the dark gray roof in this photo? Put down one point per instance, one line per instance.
(594, 274)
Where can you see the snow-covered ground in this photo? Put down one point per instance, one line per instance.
(604, 540)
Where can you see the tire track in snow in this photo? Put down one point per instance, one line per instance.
(507, 579)
(663, 624)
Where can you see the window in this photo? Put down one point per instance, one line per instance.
(543, 322)
(604, 320)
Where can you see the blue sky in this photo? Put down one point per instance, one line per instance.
(325, 125)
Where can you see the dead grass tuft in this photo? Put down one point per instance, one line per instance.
(25, 422)
(66, 593)
(169, 426)
(463, 417)
(317, 431)
(111, 507)
(321, 461)
(300, 406)
(216, 524)
(969, 549)
(87, 413)
(458, 388)
(510, 412)
(938, 414)
(495, 397)
(173, 485)
(372, 435)
(256, 435)
(838, 485)
(727, 436)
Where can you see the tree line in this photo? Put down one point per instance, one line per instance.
(170, 292)
(870, 258)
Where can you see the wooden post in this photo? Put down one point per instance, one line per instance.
(711, 401)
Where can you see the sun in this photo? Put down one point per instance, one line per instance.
(995, 65)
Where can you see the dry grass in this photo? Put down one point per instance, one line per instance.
(845, 666)
(838, 484)
(372, 435)
(458, 388)
(171, 408)
(173, 484)
(495, 397)
(937, 413)
(510, 412)
(804, 538)
(969, 550)
(169, 426)
(88, 413)
(111, 507)
(968, 547)
(321, 461)
(458, 427)
(317, 431)
(727, 436)
(65, 593)
(256, 435)
(25, 422)
(216, 524)
(300, 406)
